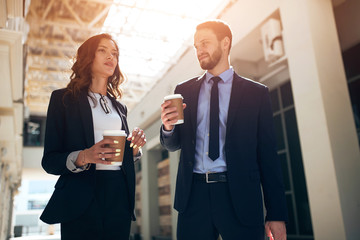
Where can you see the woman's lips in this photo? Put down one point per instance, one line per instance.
(110, 64)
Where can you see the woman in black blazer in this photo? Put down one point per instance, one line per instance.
(93, 197)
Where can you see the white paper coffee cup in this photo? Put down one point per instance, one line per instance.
(176, 101)
(120, 136)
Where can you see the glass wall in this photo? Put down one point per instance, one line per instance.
(351, 58)
(34, 131)
(289, 152)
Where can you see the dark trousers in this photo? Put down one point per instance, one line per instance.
(210, 212)
(108, 216)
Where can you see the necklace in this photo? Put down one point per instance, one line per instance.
(104, 104)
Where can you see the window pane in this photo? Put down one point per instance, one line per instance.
(164, 154)
(285, 172)
(37, 204)
(279, 133)
(275, 100)
(286, 95)
(354, 89)
(34, 131)
(298, 176)
(41, 186)
(290, 227)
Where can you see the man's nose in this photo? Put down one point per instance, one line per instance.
(199, 51)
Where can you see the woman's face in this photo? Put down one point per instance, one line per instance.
(105, 60)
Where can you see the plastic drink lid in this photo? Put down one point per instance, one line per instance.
(114, 133)
(173, 97)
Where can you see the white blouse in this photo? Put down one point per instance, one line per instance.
(103, 121)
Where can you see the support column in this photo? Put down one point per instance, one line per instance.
(174, 163)
(149, 194)
(327, 131)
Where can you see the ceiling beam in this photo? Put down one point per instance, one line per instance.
(47, 9)
(99, 16)
(74, 14)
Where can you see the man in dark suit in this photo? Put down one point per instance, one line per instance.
(228, 158)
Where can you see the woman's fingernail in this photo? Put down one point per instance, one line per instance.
(131, 144)
(117, 154)
(116, 141)
(135, 146)
(118, 150)
(132, 138)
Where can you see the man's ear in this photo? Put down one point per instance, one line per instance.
(226, 43)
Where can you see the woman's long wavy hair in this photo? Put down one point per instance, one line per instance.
(80, 78)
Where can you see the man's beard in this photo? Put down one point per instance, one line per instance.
(213, 60)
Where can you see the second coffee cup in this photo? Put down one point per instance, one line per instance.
(120, 136)
(177, 101)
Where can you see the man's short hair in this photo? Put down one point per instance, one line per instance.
(220, 28)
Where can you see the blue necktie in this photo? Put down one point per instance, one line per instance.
(214, 120)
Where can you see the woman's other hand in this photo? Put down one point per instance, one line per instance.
(138, 140)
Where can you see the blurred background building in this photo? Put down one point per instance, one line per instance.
(307, 52)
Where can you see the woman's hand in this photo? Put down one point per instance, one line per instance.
(138, 140)
(97, 153)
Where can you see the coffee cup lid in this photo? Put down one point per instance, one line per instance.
(173, 96)
(114, 133)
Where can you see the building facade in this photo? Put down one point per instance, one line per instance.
(307, 53)
(12, 35)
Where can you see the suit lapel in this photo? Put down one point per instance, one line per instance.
(121, 114)
(237, 92)
(193, 102)
(86, 118)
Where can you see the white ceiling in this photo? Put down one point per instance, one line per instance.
(152, 35)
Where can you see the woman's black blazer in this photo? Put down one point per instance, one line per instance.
(69, 127)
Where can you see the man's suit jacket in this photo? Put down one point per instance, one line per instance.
(250, 151)
(69, 127)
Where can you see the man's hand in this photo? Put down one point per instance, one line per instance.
(275, 230)
(169, 115)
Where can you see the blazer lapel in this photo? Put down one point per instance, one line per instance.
(119, 109)
(193, 101)
(237, 92)
(86, 118)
